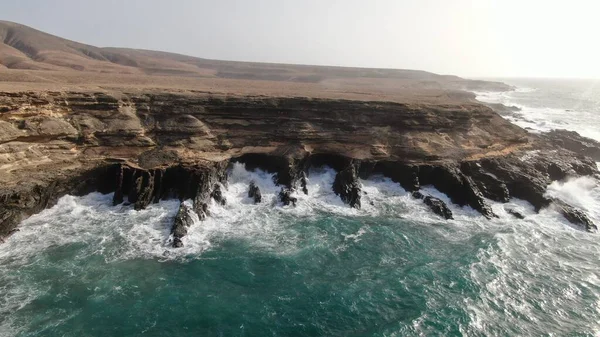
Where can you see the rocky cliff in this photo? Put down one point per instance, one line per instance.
(156, 145)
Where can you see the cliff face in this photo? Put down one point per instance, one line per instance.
(199, 126)
(153, 146)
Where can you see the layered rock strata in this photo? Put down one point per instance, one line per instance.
(154, 146)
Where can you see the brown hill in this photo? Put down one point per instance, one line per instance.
(26, 49)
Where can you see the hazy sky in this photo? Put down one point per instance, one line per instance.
(473, 38)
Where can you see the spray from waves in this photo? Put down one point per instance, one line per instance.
(542, 119)
(551, 106)
(522, 276)
(93, 220)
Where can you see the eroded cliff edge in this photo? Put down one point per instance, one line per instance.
(151, 146)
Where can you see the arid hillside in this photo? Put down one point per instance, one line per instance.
(34, 60)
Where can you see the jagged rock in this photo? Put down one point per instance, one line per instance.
(527, 175)
(488, 184)
(576, 216)
(208, 182)
(118, 196)
(144, 190)
(573, 141)
(254, 192)
(285, 195)
(183, 220)
(142, 187)
(418, 195)
(461, 189)
(438, 207)
(217, 194)
(515, 213)
(435, 204)
(347, 186)
(407, 175)
(303, 182)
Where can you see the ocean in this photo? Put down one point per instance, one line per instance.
(392, 268)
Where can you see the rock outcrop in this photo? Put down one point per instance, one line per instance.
(576, 216)
(183, 221)
(438, 206)
(254, 192)
(347, 186)
(285, 196)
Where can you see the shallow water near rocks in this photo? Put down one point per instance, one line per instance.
(87, 268)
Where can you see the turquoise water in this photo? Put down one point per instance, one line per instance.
(86, 268)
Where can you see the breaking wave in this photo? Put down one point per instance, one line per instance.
(391, 268)
(541, 107)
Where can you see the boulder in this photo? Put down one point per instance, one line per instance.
(435, 204)
(438, 207)
(183, 220)
(304, 182)
(217, 194)
(254, 192)
(347, 186)
(576, 216)
(285, 195)
(515, 213)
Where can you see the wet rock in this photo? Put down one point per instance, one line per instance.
(208, 184)
(347, 186)
(144, 190)
(461, 189)
(528, 174)
(438, 207)
(285, 195)
(418, 195)
(576, 216)
(122, 174)
(254, 192)
(183, 220)
(515, 213)
(435, 204)
(217, 195)
(303, 182)
(142, 187)
(407, 175)
(488, 184)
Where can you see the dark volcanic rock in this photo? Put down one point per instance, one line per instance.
(183, 220)
(527, 175)
(573, 141)
(141, 186)
(515, 213)
(207, 182)
(407, 175)
(435, 204)
(285, 195)
(254, 192)
(489, 186)
(438, 207)
(217, 194)
(461, 189)
(576, 216)
(347, 186)
(303, 182)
